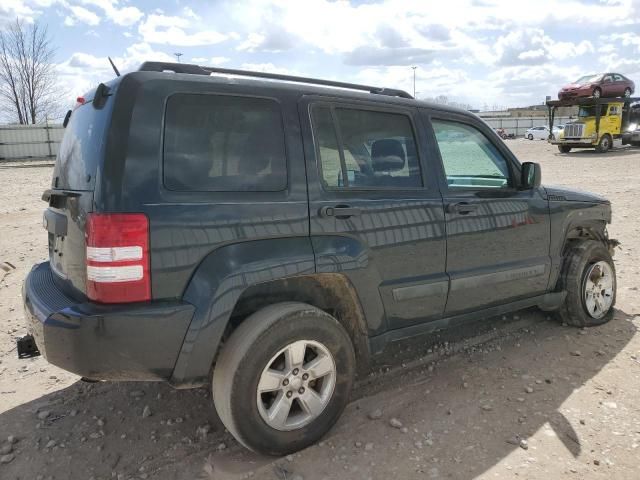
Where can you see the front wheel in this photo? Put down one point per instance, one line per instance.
(604, 144)
(530, 136)
(597, 93)
(564, 148)
(283, 378)
(589, 278)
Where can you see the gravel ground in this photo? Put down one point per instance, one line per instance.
(517, 396)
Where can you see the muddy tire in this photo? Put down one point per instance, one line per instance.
(283, 378)
(564, 148)
(604, 145)
(589, 278)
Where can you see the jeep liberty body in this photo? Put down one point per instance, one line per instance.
(267, 236)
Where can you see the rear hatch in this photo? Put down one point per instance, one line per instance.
(70, 198)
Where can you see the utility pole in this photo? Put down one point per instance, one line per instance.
(414, 81)
(178, 55)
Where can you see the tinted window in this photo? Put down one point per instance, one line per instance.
(618, 78)
(470, 160)
(365, 149)
(82, 147)
(223, 143)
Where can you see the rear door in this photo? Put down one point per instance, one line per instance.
(71, 194)
(376, 213)
(497, 236)
(619, 84)
(609, 88)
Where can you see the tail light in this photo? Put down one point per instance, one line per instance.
(118, 257)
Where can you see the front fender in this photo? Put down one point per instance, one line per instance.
(215, 288)
(569, 216)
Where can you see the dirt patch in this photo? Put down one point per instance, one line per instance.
(515, 396)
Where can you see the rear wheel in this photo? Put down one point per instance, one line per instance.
(597, 93)
(589, 278)
(627, 92)
(564, 148)
(283, 378)
(604, 145)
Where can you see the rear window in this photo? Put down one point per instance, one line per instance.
(81, 148)
(222, 143)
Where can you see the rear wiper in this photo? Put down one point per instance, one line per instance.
(47, 194)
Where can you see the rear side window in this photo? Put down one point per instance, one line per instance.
(365, 149)
(222, 143)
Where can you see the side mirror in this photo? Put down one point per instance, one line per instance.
(531, 175)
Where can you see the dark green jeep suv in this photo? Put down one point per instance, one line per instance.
(267, 235)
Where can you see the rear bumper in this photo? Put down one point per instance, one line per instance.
(103, 342)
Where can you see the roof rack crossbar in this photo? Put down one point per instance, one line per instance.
(198, 70)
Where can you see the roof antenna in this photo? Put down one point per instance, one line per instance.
(114, 67)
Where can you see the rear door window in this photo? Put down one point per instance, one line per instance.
(222, 143)
(365, 149)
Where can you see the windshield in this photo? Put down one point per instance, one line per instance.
(590, 111)
(588, 79)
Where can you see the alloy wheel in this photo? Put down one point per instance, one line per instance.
(296, 385)
(598, 289)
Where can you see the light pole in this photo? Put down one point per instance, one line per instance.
(414, 80)
(178, 55)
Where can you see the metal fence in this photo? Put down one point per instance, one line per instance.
(29, 142)
(36, 142)
(519, 125)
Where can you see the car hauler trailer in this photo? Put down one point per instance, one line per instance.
(600, 122)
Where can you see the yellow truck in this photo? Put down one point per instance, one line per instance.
(600, 121)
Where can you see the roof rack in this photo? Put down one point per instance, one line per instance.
(198, 70)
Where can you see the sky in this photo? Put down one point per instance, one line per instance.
(486, 53)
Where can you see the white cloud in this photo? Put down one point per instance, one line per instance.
(83, 71)
(12, 9)
(274, 40)
(125, 16)
(474, 51)
(626, 39)
(163, 29)
(213, 61)
(80, 15)
(532, 46)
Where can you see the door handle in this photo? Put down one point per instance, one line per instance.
(462, 208)
(339, 211)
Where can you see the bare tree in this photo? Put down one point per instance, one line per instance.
(444, 100)
(28, 84)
